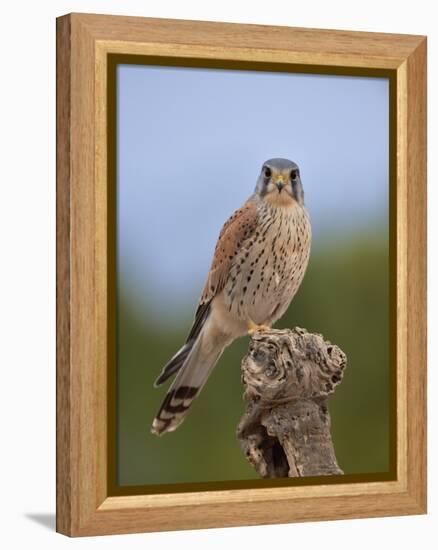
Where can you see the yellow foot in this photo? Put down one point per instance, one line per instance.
(252, 327)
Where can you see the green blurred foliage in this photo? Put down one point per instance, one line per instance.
(344, 296)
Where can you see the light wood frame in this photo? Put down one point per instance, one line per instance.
(83, 44)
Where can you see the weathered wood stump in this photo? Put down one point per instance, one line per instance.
(288, 376)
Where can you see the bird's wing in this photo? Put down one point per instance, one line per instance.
(239, 227)
(236, 230)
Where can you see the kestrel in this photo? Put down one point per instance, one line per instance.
(258, 264)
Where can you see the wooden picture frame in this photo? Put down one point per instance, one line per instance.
(85, 505)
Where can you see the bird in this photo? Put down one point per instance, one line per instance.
(259, 262)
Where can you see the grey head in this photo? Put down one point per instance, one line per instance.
(279, 182)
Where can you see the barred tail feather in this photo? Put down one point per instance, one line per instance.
(180, 357)
(188, 383)
(174, 364)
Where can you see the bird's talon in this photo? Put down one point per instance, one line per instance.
(253, 328)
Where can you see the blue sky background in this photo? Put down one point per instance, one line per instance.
(191, 143)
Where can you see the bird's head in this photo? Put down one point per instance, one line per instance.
(279, 183)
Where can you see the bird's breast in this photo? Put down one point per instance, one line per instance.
(270, 265)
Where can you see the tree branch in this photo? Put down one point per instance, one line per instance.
(288, 376)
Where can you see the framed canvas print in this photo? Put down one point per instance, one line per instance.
(241, 274)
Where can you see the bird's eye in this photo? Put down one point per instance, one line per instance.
(267, 172)
(294, 175)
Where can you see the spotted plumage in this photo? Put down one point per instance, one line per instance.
(258, 265)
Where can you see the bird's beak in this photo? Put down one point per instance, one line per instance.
(280, 184)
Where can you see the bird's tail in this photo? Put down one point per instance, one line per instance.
(194, 363)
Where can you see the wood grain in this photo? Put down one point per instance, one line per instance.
(83, 504)
(63, 344)
(416, 284)
(320, 45)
